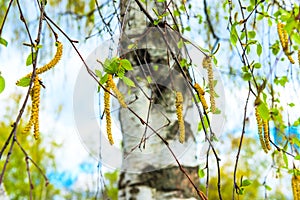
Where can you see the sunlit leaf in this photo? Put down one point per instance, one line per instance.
(103, 79)
(251, 34)
(126, 64)
(257, 65)
(246, 182)
(263, 111)
(2, 84)
(258, 49)
(30, 58)
(201, 173)
(98, 73)
(285, 159)
(268, 187)
(128, 81)
(247, 76)
(24, 82)
(297, 157)
(3, 41)
(233, 35)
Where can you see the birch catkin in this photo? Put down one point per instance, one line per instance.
(284, 41)
(208, 65)
(260, 128)
(179, 112)
(34, 118)
(107, 113)
(116, 91)
(266, 134)
(296, 187)
(201, 93)
(49, 65)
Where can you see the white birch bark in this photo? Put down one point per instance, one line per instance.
(152, 173)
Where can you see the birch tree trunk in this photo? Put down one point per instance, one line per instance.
(149, 171)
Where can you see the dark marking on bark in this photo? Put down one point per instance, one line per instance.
(134, 190)
(171, 179)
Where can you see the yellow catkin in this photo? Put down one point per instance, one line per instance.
(208, 65)
(51, 64)
(266, 134)
(28, 125)
(283, 37)
(260, 128)
(117, 92)
(34, 118)
(296, 187)
(290, 58)
(36, 106)
(284, 41)
(179, 112)
(201, 93)
(107, 114)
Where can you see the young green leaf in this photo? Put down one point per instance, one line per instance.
(291, 104)
(233, 35)
(258, 49)
(30, 58)
(121, 72)
(246, 182)
(268, 187)
(3, 41)
(24, 82)
(285, 159)
(247, 76)
(180, 44)
(251, 34)
(103, 79)
(2, 84)
(98, 73)
(263, 111)
(205, 122)
(126, 64)
(257, 65)
(128, 81)
(297, 157)
(201, 173)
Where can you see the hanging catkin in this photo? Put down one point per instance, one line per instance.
(116, 91)
(208, 65)
(284, 41)
(201, 93)
(179, 112)
(34, 118)
(260, 129)
(266, 134)
(107, 113)
(51, 64)
(296, 187)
